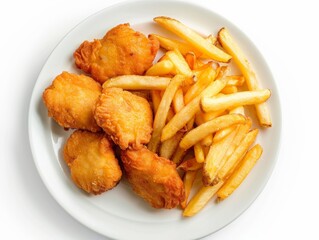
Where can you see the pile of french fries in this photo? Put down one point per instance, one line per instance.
(199, 111)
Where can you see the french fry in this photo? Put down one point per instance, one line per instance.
(162, 111)
(156, 99)
(136, 82)
(202, 197)
(188, 112)
(237, 110)
(160, 68)
(190, 165)
(191, 60)
(229, 90)
(171, 44)
(234, 100)
(197, 41)
(241, 172)
(179, 62)
(229, 44)
(208, 140)
(212, 39)
(214, 114)
(221, 134)
(199, 153)
(188, 181)
(205, 78)
(215, 156)
(169, 146)
(235, 80)
(178, 100)
(237, 155)
(207, 128)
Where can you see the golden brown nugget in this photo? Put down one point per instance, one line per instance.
(70, 101)
(122, 51)
(153, 178)
(92, 162)
(127, 118)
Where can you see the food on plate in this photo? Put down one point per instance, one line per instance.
(70, 101)
(153, 178)
(93, 165)
(193, 38)
(183, 117)
(230, 45)
(122, 51)
(127, 118)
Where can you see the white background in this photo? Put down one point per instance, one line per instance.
(285, 32)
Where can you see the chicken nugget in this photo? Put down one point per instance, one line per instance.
(122, 51)
(153, 178)
(92, 162)
(127, 118)
(70, 100)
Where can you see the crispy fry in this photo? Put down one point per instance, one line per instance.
(156, 99)
(162, 111)
(221, 134)
(234, 100)
(237, 155)
(207, 128)
(190, 165)
(201, 198)
(179, 62)
(178, 100)
(188, 180)
(191, 59)
(169, 146)
(229, 90)
(171, 44)
(136, 82)
(243, 64)
(235, 80)
(237, 110)
(178, 155)
(197, 41)
(187, 113)
(161, 68)
(205, 78)
(219, 154)
(199, 153)
(241, 172)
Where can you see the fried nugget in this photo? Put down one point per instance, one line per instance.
(70, 101)
(153, 178)
(92, 162)
(122, 51)
(127, 118)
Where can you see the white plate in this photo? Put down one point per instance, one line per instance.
(119, 213)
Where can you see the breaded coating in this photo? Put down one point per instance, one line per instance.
(153, 178)
(122, 51)
(127, 118)
(92, 162)
(70, 101)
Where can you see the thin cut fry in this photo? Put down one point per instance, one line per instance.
(221, 134)
(207, 128)
(188, 180)
(161, 68)
(156, 99)
(241, 61)
(136, 82)
(199, 153)
(241, 172)
(178, 100)
(234, 100)
(197, 41)
(187, 113)
(229, 90)
(202, 197)
(237, 155)
(171, 44)
(179, 62)
(162, 111)
(169, 146)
